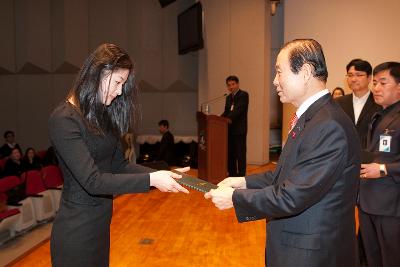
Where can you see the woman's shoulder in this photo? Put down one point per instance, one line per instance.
(63, 115)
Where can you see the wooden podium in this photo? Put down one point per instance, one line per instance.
(213, 147)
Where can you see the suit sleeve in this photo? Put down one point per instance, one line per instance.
(319, 161)
(226, 110)
(393, 170)
(121, 165)
(66, 135)
(260, 180)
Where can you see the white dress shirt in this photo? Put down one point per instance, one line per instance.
(309, 101)
(358, 104)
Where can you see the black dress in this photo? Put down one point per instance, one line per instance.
(94, 169)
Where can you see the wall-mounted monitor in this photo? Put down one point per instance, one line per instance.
(190, 29)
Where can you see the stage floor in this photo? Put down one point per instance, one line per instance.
(167, 229)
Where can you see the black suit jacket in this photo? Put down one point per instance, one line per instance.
(167, 148)
(370, 107)
(238, 115)
(310, 198)
(382, 196)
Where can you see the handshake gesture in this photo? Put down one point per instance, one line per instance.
(222, 196)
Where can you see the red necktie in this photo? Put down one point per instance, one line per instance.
(293, 122)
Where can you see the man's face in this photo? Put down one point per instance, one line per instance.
(10, 138)
(15, 155)
(289, 86)
(386, 91)
(358, 80)
(163, 129)
(232, 86)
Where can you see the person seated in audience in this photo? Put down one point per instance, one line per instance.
(14, 167)
(50, 158)
(31, 160)
(167, 143)
(13, 164)
(127, 142)
(337, 92)
(10, 143)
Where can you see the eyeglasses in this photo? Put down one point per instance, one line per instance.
(357, 75)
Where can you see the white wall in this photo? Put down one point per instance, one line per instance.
(237, 42)
(44, 43)
(366, 29)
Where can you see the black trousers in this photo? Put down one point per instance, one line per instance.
(381, 239)
(237, 154)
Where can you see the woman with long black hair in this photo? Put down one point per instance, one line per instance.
(85, 131)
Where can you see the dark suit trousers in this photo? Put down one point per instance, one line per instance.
(237, 154)
(381, 238)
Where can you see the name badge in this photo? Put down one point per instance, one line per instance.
(232, 106)
(384, 142)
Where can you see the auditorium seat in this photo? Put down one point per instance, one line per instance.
(53, 181)
(42, 199)
(26, 218)
(8, 220)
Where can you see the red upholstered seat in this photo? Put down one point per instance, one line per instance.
(34, 182)
(8, 213)
(52, 176)
(9, 182)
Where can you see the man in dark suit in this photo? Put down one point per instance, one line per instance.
(167, 145)
(236, 106)
(380, 183)
(309, 199)
(360, 105)
(9, 145)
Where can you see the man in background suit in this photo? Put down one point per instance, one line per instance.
(236, 106)
(360, 105)
(167, 145)
(380, 183)
(309, 199)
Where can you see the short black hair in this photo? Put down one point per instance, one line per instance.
(232, 78)
(164, 123)
(360, 65)
(7, 133)
(307, 51)
(392, 67)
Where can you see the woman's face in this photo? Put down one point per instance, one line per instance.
(30, 154)
(111, 85)
(337, 93)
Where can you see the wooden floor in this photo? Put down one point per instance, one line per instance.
(166, 229)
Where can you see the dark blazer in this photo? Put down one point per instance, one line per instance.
(167, 148)
(5, 150)
(382, 196)
(309, 199)
(238, 115)
(94, 169)
(12, 168)
(370, 107)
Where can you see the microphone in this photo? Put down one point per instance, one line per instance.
(205, 105)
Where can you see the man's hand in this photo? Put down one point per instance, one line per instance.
(234, 182)
(370, 171)
(221, 197)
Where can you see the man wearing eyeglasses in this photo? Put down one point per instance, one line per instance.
(360, 105)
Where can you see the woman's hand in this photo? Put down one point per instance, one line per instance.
(164, 181)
